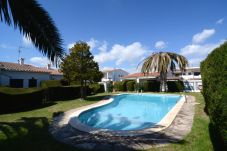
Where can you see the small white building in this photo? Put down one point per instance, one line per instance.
(191, 78)
(22, 75)
(112, 76)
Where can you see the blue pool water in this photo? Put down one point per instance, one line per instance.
(130, 112)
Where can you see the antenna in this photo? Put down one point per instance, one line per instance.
(19, 52)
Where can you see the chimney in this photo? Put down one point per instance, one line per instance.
(21, 61)
(48, 66)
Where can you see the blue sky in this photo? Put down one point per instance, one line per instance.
(123, 32)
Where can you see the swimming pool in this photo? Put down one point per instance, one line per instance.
(130, 112)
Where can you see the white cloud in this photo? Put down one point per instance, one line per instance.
(26, 41)
(195, 53)
(70, 45)
(220, 21)
(103, 47)
(120, 53)
(160, 44)
(106, 68)
(39, 61)
(202, 36)
(92, 43)
(7, 46)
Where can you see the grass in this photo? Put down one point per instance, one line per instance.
(29, 130)
(199, 138)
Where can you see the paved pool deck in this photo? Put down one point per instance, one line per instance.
(179, 128)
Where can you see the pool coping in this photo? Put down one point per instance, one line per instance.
(161, 125)
(181, 126)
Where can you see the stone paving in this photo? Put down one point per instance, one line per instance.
(180, 127)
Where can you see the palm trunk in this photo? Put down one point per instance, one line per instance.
(163, 83)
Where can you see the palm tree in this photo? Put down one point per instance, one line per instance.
(163, 62)
(34, 22)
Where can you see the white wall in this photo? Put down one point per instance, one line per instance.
(115, 75)
(5, 77)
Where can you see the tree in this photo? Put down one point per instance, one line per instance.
(163, 62)
(80, 66)
(35, 23)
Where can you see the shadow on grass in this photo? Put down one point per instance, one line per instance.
(217, 143)
(98, 98)
(25, 108)
(29, 134)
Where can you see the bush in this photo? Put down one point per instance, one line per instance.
(16, 99)
(13, 99)
(50, 83)
(120, 86)
(138, 87)
(109, 86)
(175, 86)
(130, 85)
(97, 88)
(150, 86)
(64, 82)
(62, 93)
(214, 78)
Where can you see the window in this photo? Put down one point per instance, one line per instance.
(189, 73)
(16, 83)
(32, 83)
(196, 73)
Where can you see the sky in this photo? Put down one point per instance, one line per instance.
(121, 33)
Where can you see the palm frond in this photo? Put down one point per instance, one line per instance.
(34, 22)
(163, 62)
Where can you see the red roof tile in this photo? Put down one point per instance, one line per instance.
(135, 75)
(26, 68)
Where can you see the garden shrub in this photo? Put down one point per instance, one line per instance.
(64, 82)
(175, 86)
(138, 86)
(16, 99)
(150, 86)
(62, 93)
(214, 78)
(120, 86)
(109, 87)
(50, 83)
(13, 99)
(130, 85)
(97, 88)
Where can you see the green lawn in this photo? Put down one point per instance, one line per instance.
(29, 130)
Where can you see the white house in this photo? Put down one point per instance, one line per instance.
(22, 75)
(112, 76)
(191, 78)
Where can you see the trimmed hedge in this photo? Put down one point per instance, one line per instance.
(62, 93)
(150, 86)
(18, 98)
(50, 83)
(214, 78)
(175, 86)
(130, 85)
